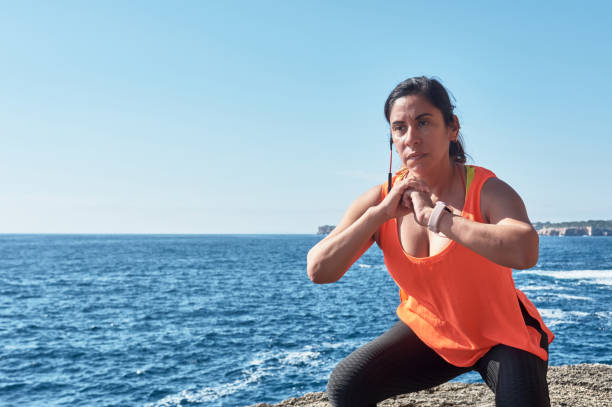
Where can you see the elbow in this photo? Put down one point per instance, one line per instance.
(316, 271)
(315, 276)
(528, 261)
(530, 251)
(318, 276)
(313, 268)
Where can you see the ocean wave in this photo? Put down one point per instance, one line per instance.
(596, 276)
(209, 394)
(574, 297)
(304, 356)
(301, 358)
(540, 287)
(556, 316)
(348, 344)
(262, 364)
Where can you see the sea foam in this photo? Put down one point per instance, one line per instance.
(556, 316)
(593, 276)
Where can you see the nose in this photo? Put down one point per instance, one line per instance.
(411, 137)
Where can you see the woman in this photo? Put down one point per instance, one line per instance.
(450, 234)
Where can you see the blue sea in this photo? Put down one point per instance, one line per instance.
(231, 320)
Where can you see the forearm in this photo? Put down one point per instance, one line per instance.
(509, 243)
(329, 259)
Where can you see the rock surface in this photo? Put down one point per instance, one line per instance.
(583, 385)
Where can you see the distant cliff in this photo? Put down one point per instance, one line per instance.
(582, 228)
(325, 229)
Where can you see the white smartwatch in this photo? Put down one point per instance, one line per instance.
(434, 220)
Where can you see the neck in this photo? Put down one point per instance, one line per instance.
(441, 179)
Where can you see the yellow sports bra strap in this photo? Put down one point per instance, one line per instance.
(470, 171)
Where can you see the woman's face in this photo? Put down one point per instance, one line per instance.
(419, 133)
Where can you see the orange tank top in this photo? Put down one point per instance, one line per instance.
(457, 302)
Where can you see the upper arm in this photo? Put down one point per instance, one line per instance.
(501, 205)
(332, 256)
(499, 202)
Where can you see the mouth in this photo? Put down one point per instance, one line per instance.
(415, 156)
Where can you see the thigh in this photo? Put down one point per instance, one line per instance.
(397, 362)
(517, 377)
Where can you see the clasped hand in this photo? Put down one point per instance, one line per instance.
(409, 195)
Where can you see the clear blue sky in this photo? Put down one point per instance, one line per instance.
(266, 117)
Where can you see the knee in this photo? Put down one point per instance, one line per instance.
(338, 387)
(526, 390)
(342, 387)
(520, 380)
(525, 397)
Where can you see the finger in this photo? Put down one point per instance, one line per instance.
(400, 187)
(420, 196)
(421, 186)
(402, 184)
(415, 184)
(406, 199)
(415, 194)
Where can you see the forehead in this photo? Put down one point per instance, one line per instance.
(411, 106)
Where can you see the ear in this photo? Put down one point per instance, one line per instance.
(453, 129)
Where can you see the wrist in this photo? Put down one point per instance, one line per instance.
(428, 212)
(446, 221)
(437, 215)
(377, 213)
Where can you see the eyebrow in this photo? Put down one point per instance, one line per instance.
(422, 115)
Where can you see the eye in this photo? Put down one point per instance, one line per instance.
(423, 123)
(398, 130)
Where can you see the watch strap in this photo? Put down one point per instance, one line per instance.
(434, 220)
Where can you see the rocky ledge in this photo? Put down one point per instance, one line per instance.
(583, 385)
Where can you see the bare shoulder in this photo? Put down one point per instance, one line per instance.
(495, 187)
(499, 201)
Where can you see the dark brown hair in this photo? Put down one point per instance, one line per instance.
(438, 96)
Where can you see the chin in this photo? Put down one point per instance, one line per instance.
(415, 168)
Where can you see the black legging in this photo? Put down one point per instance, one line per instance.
(398, 362)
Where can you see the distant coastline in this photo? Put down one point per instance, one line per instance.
(577, 228)
(325, 229)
